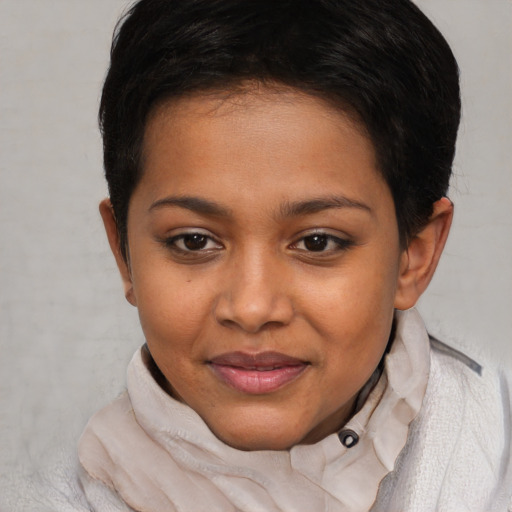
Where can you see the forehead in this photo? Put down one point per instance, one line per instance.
(263, 108)
(277, 141)
(257, 101)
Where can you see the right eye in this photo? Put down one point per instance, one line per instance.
(192, 242)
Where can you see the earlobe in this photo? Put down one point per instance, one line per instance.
(419, 261)
(109, 221)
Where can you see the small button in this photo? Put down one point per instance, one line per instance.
(348, 438)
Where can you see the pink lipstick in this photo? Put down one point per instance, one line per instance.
(257, 374)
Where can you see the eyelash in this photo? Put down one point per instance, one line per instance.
(172, 243)
(340, 244)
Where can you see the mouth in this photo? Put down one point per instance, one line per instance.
(257, 374)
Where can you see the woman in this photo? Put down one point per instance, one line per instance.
(278, 175)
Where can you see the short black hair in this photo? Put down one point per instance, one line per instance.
(382, 59)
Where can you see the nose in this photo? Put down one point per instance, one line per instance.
(254, 295)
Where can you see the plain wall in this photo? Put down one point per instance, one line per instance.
(66, 332)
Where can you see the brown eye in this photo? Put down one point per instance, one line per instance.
(195, 241)
(316, 242)
(322, 243)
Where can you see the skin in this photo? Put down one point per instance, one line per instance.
(296, 251)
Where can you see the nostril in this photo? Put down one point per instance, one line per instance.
(253, 316)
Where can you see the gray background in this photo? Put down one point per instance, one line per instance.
(66, 333)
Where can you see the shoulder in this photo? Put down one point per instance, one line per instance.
(468, 406)
(458, 453)
(444, 354)
(68, 487)
(465, 389)
(61, 489)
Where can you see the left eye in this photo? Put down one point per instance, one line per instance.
(321, 242)
(192, 242)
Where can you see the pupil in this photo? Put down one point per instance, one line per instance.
(315, 242)
(194, 242)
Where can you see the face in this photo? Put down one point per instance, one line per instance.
(264, 260)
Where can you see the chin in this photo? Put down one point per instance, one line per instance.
(253, 437)
(252, 443)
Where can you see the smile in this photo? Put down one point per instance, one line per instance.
(259, 373)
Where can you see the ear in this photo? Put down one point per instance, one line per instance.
(419, 261)
(109, 221)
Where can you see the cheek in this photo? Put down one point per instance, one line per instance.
(353, 313)
(358, 297)
(173, 307)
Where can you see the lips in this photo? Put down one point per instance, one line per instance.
(257, 374)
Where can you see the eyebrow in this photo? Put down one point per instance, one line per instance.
(287, 209)
(311, 206)
(195, 204)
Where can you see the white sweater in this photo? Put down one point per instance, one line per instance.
(149, 453)
(458, 453)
